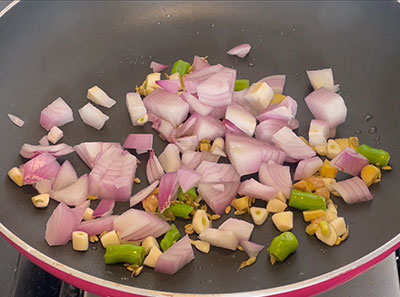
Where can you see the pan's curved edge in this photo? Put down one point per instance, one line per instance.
(8, 7)
(102, 287)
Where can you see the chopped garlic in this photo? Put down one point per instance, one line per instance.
(151, 81)
(258, 214)
(98, 96)
(276, 205)
(16, 175)
(218, 146)
(152, 257)
(88, 215)
(55, 134)
(328, 240)
(148, 244)
(41, 200)
(259, 96)
(281, 197)
(80, 241)
(241, 204)
(283, 221)
(110, 238)
(202, 246)
(333, 149)
(201, 221)
(339, 225)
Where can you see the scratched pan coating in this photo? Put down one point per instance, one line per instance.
(52, 49)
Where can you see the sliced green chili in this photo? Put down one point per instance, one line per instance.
(124, 253)
(241, 84)
(375, 156)
(181, 67)
(189, 195)
(180, 210)
(283, 245)
(306, 201)
(170, 238)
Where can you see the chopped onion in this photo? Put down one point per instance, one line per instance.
(239, 97)
(199, 63)
(217, 172)
(136, 225)
(169, 107)
(240, 228)
(43, 186)
(112, 175)
(353, 190)
(93, 116)
(318, 132)
(332, 132)
(168, 190)
(157, 67)
(139, 142)
(193, 79)
(177, 256)
(66, 176)
(170, 159)
(88, 151)
(137, 110)
(285, 112)
(192, 159)
(195, 105)
(44, 141)
(220, 238)
(322, 79)
(43, 166)
(29, 151)
(99, 97)
(218, 112)
(349, 161)
(266, 129)
(205, 127)
(276, 82)
(240, 50)
(16, 120)
(104, 208)
(246, 153)
(291, 144)
(276, 176)
(307, 168)
(252, 249)
(231, 128)
(62, 222)
(187, 178)
(241, 118)
(73, 194)
(218, 89)
(218, 196)
(164, 128)
(327, 106)
(57, 113)
(170, 85)
(139, 196)
(187, 143)
(154, 170)
(54, 135)
(97, 226)
(254, 189)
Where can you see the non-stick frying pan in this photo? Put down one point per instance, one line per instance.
(52, 49)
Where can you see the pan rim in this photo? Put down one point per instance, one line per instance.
(145, 292)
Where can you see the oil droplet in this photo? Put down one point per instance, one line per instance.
(281, 33)
(201, 282)
(199, 267)
(150, 57)
(124, 278)
(239, 72)
(198, 33)
(251, 65)
(242, 30)
(297, 74)
(300, 273)
(377, 139)
(158, 22)
(372, 130)
(212, 25)
(134, 63)
(94, 248)
(168, 16)
(323, 251)
(294, 29)
(141, 57)
(367, 118)
(358, 132)
(254, 59)
(210, 281)
(261, 40)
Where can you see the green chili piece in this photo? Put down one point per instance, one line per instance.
(306, 201)
(375, 156)
(180, 210)
(181, 67)
(189, 195)
(124, 253)
(170, 238)
(241, 84)
(283, 245)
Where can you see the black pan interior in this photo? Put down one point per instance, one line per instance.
(52, 49)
